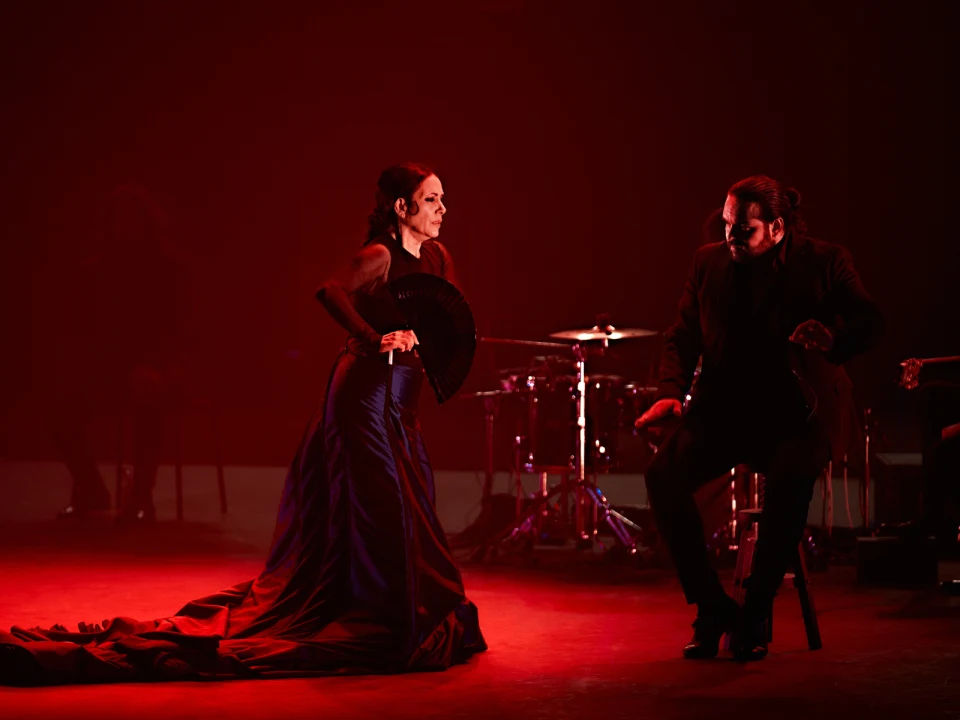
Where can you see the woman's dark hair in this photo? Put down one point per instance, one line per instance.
(398, 181)
(774, 200)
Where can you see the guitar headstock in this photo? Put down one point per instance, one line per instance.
(910, 373)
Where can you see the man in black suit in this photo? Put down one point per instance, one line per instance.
(773, 314)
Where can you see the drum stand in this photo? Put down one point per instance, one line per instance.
(589, 501)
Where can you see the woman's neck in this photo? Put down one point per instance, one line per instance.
(409, 242)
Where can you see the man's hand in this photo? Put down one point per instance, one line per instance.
(812, 334)
(660, 410)
(402, 340)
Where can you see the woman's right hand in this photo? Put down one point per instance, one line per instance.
(402, 340)
(661, 409)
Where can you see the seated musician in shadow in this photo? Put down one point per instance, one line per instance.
(114, 350)
(939, 411)
(774, 315)
(940, 423)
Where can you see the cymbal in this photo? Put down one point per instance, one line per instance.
(607, 332)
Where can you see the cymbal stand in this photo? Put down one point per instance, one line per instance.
(589, 499)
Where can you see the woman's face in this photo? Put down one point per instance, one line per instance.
(429, 198)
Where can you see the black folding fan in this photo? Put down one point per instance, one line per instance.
(443, 322)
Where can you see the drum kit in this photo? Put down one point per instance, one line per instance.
(565, 421)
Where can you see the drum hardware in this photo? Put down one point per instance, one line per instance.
(523, 343)
(591, 507)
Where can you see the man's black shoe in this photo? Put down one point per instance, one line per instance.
(709, 629)
(749, 640)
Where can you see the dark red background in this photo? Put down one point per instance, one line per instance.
(581, 146)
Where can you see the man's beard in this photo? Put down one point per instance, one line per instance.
(742, 253)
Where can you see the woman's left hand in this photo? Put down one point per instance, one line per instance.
(402, 340)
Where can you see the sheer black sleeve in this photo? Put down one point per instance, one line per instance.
(363, 273)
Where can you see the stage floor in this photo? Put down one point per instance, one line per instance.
(570, 637)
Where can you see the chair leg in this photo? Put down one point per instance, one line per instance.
(745, 545)
(810, 623)
(178, 468)
(221, 484)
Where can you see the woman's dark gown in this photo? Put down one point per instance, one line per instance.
(359, 578)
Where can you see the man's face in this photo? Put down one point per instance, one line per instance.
(747, 235)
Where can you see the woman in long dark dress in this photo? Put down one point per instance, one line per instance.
(359, 577)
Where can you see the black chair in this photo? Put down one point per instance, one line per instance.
(176, 419)
(751, 523)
